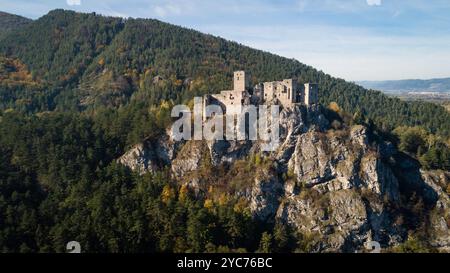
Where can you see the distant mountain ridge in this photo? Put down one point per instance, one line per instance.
(9, 22)
(413, 85)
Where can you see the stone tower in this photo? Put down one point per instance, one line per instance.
(241, 81)
(311, 93)
(291, 89)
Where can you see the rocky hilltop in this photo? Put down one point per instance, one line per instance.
(336, 186)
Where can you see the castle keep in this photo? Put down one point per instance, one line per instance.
(286, 93)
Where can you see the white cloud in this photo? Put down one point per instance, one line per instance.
(167, 9)
(174, 8)
(73, 2)
(160, 11)
(374, 2)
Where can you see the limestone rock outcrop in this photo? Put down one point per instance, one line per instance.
(333, 185)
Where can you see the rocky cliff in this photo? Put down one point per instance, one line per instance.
(336, 187)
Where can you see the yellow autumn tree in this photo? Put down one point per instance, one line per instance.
(333, 106)
(101, 62)
(223, 199)
(167, 194)
(209, 204)
(182, 196)
(240, 205)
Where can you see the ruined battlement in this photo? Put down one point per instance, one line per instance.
(286, 93)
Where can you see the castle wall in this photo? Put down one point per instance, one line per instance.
(286, 92)
(230, 100)
(311, 94)
(269, 91)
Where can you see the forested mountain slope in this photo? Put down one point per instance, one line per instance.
(108, 61)
(11, 22)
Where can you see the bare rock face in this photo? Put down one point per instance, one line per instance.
(263, 196)
(296, 121)
(149, 156)
(440, 216)
(334, 219)
(437, 181)
(189, 159)
(377, 177)
(341, 221)
(223, 151)
(139, 159)
(331, 162)
(335, 168)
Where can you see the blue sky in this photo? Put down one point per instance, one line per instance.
(351, 39)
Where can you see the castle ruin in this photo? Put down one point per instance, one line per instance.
(286, 93)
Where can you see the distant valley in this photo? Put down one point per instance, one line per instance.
(405, 86)
(432, 90)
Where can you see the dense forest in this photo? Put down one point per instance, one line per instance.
(77, 90)
(59, 183)
(11, 22)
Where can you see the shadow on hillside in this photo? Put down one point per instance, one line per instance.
(417, 197)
